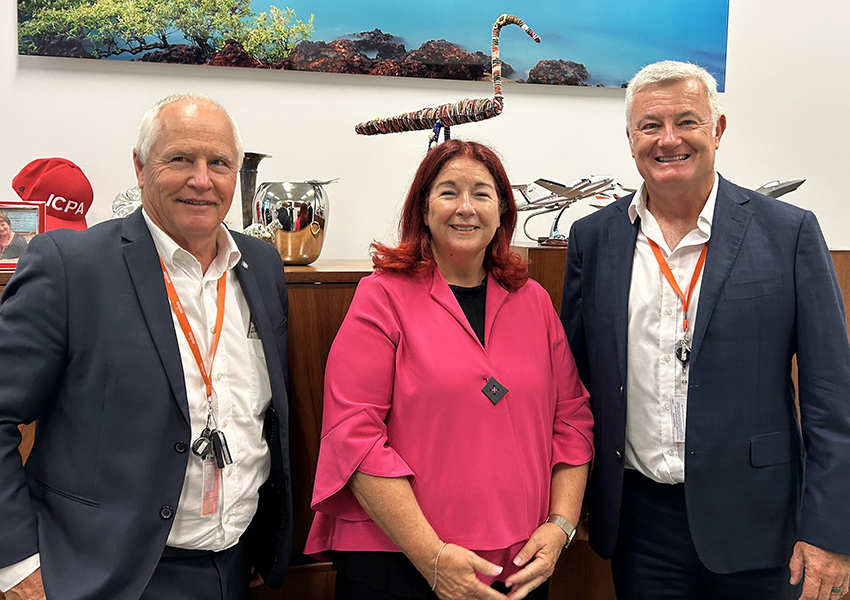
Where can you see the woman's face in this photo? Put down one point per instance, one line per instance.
(463, 213)
(4, 228)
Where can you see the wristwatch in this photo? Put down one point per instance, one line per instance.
(561, 522)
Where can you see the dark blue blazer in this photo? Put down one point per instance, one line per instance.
(88, 348)
(755, 481)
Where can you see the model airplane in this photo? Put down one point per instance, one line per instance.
(546, 196)
(553, 195)
(774, 189)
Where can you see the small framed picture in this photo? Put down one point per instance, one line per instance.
(19, 223)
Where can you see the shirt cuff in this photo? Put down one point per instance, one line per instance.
(14, 574)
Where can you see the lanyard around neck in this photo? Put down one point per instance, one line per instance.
(177, 306)
(665, 268)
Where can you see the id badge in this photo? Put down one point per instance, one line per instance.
(680, 416)
(209, 497)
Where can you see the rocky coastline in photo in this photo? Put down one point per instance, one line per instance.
(378, 53)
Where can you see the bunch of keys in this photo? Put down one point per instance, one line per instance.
(212, 443)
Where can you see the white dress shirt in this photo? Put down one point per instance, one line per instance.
(657, 383)
(241, 394)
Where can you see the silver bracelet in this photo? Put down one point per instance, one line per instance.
(436, 560)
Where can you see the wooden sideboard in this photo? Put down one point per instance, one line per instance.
(319, 296)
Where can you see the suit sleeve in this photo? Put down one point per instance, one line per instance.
(33, 357)
(823, 361)
(571, 306)
(358, 395)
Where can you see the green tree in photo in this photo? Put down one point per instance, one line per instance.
(274, 37)
(103, 28)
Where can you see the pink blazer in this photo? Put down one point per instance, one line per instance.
(403, 398)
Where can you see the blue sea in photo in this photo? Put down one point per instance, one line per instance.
(611, 38)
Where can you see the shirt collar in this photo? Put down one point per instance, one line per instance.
(175, 257)
(637, 208)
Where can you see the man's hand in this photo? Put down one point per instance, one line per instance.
(825, 572)
(30, 588)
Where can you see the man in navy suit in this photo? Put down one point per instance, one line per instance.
(152, 352)
(685, 305)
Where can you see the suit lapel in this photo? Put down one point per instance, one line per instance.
(141, 257)
(622, 236)
(730, 222)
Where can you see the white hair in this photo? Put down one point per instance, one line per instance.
(151, 124)
(671, 71)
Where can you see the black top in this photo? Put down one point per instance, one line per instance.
(16, 247)
(473, 300)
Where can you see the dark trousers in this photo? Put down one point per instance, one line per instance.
(348, 589)
(655, 558)
(224, 575)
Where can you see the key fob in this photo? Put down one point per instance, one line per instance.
(222, 452)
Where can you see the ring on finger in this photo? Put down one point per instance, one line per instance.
(837, 589)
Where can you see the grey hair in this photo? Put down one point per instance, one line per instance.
(672, 71)
(150, 125)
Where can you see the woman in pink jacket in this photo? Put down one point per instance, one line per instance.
(456, 435)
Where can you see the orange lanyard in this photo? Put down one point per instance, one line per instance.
(665, 268)
(187, 328)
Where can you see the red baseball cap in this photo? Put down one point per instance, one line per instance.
(62, 186)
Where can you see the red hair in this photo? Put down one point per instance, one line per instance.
(413, 253)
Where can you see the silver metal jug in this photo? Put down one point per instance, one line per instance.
(297, 212)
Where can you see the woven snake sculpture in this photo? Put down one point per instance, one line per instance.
(456, 113)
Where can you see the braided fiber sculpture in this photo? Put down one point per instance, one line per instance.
(457, 113)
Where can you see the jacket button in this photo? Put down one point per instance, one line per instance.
(166, 512)
(622, 390)
(180, 447)
(618, 455)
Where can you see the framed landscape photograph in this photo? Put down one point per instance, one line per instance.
(584, 42)
(19, 223)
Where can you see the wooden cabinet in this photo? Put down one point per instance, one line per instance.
(5, 276)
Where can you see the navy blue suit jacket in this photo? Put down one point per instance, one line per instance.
(89, 349)
(755, 481)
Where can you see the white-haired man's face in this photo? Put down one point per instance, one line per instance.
(189, 178)
(673, 138)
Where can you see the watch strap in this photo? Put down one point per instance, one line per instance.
(564, 524)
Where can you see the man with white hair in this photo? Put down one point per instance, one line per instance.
(685, 305)
(152, 352)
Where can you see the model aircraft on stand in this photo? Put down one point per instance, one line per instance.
(546, 196)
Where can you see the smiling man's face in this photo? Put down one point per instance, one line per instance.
(673, 138)
(189, 178)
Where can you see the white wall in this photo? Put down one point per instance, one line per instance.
(788, 74)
